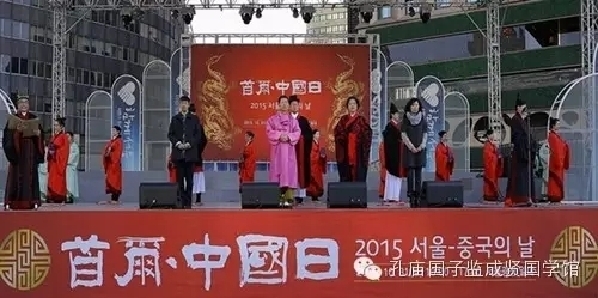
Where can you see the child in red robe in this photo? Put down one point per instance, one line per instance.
(58, 154)
(113, 171)
(443, 157)
(318, 168)
(247, 162)
(492, 168)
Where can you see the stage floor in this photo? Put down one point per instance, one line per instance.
(232, 206)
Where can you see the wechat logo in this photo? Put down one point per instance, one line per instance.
(364, 266)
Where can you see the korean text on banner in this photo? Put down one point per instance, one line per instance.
(237, 87)
(126, 113)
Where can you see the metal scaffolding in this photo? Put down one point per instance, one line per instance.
(493, 48)
(589, 22)
(59, 59)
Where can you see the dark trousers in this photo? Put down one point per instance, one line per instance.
(414, 182)
(348, 173)
(184, 173)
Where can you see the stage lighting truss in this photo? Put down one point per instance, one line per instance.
(172, 5)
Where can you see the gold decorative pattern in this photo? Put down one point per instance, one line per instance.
(575, 244)
(342, 88)
(24, 260)
(218, 124)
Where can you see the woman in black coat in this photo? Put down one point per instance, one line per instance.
(414, 133)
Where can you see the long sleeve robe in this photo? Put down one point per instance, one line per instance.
(558, 164)
(283, 160)
(520, 185)
(58, 157)
(113, 171)
(492, 171)
(247, 165)
(303, 151)
(381, 170)
(445, 162)
(353, 141)
(318, 169)
(72, 174)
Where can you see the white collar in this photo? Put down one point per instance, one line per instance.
(295, 115)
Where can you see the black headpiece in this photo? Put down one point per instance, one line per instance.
(294, 98)
(61, 121)
(185, 98)
(118, 129)
(393, 109)
(442, 133)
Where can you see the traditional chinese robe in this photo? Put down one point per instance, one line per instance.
(24, 154)
(72, 172)
(199, 178)
(113, 152)
(58, 157)
(283, 160)
(558, 164)
(393, 162)
(352, 140)
(520, 185)
(42, 170)
(318, 169)
(445, 162)
(492, 171)
(247, 165)
(303, 152)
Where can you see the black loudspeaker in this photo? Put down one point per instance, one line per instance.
(442, 194)
(260, 195)
(347, 195)
(158, 195)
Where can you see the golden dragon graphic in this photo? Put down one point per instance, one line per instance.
(218, 124)
(342, 88)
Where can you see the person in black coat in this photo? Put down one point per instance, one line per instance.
(414, 133)
(393, 164)
(185, 133)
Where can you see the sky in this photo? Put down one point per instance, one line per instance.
(273, 21)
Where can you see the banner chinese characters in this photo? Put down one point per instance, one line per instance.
(540, 252)
(236, 88)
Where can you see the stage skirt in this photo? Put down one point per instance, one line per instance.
(392, 187)
(199, 183)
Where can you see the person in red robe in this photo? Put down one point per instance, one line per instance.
(558, 163)
(247, 163)
(492, 168)
(353, 141)
(302, 149)
(24, 153)
(318, 168)
(171, 169)
(381, 171)
(58, 156)
(113, 171)
(445, 161)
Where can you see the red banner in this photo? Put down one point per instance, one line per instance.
(236, 88)
(178, 254)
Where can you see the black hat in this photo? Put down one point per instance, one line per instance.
(442, 133)
(250, 133)
(185, 98)
(393, 109)
(552, 122)
(519, 102)
(118, 129)
(293, 98)
(61, 121)
(489, 132)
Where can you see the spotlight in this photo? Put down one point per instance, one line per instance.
(307, 13)
(258, 12)
(127, 17)
(411, 11)
(188, 14)
(295, 12)
(425, 12)
(367, 13)
(174, 14)
(246, 13)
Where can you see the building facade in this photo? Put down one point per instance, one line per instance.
(541, 50)
(100, 49)
(327, 21)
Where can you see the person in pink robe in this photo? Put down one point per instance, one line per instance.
(283, 134)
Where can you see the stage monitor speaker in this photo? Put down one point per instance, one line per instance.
(158, 195)
(260, 195)
(347, 195)
(442, 194)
